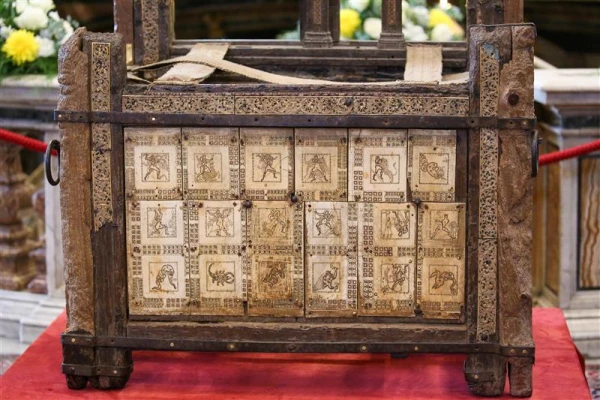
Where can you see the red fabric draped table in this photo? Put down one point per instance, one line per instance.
(37, 373)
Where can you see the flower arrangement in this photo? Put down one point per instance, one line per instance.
(31, 32)
(361, 20)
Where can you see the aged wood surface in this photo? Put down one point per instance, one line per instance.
(308, 104)
(515, 191)
(310, 332)
(75, 188)
(317, 32)
(589, 198)
(472, 227)
(108, 238)
(123, 18)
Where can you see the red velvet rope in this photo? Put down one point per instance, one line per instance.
(39, 146)
(569, 153)
(20, 140)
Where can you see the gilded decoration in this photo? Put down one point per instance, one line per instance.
(297, 104)
(150, 31)
(101, 136)
(488, 203)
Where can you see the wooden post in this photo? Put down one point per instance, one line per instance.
(123, 14)
(391, 28)
(317, 31)
(107, 80)
(76, 210)
(153, 30)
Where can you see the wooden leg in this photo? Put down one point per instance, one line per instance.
(485, 374)
(76, 382)
(520, 371)
(74, 357)
(118, 358)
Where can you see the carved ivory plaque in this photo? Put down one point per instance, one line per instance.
(441, 260)
(386, 258)
(321, 164)
(157, 258)
(153, 163)
(432, 164)
(211, 159)
(266, 163)
(276, 272)
(330, 253)
(378, 164)
(216, 257)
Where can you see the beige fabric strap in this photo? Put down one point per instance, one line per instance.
(202, 59)
(195, 73)
(423, 63)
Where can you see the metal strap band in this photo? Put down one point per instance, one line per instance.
(350, 121)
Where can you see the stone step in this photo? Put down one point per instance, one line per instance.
(10, 346)
(34, 324)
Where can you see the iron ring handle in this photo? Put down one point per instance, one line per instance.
(53, 145)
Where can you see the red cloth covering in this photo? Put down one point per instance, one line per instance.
(178, 375)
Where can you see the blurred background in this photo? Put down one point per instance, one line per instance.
(568, 31)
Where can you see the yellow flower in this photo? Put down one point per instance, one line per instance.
(349, 22)
(439, 17)
(21, 47)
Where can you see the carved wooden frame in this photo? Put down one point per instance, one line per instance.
(493, 180)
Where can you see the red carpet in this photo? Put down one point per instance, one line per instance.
(176, 375)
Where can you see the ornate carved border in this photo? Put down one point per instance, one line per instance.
(101, 140)
(150, 31)
(488, 202)
(316, 104)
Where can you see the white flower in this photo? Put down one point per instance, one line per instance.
(414, 33)
(441, 33)
(69, 31)
(359, 5)
(47, 48)
(32, 18)
(372, 27)
(420, 15)
(54, 15)
(5, 31)
(45, 5)
(45, 33)
(20, 5)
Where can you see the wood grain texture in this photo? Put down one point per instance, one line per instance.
(108, 240)
(515, 191)
(313, 332)
(123, 15)
(75, 193)
(589, 222)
